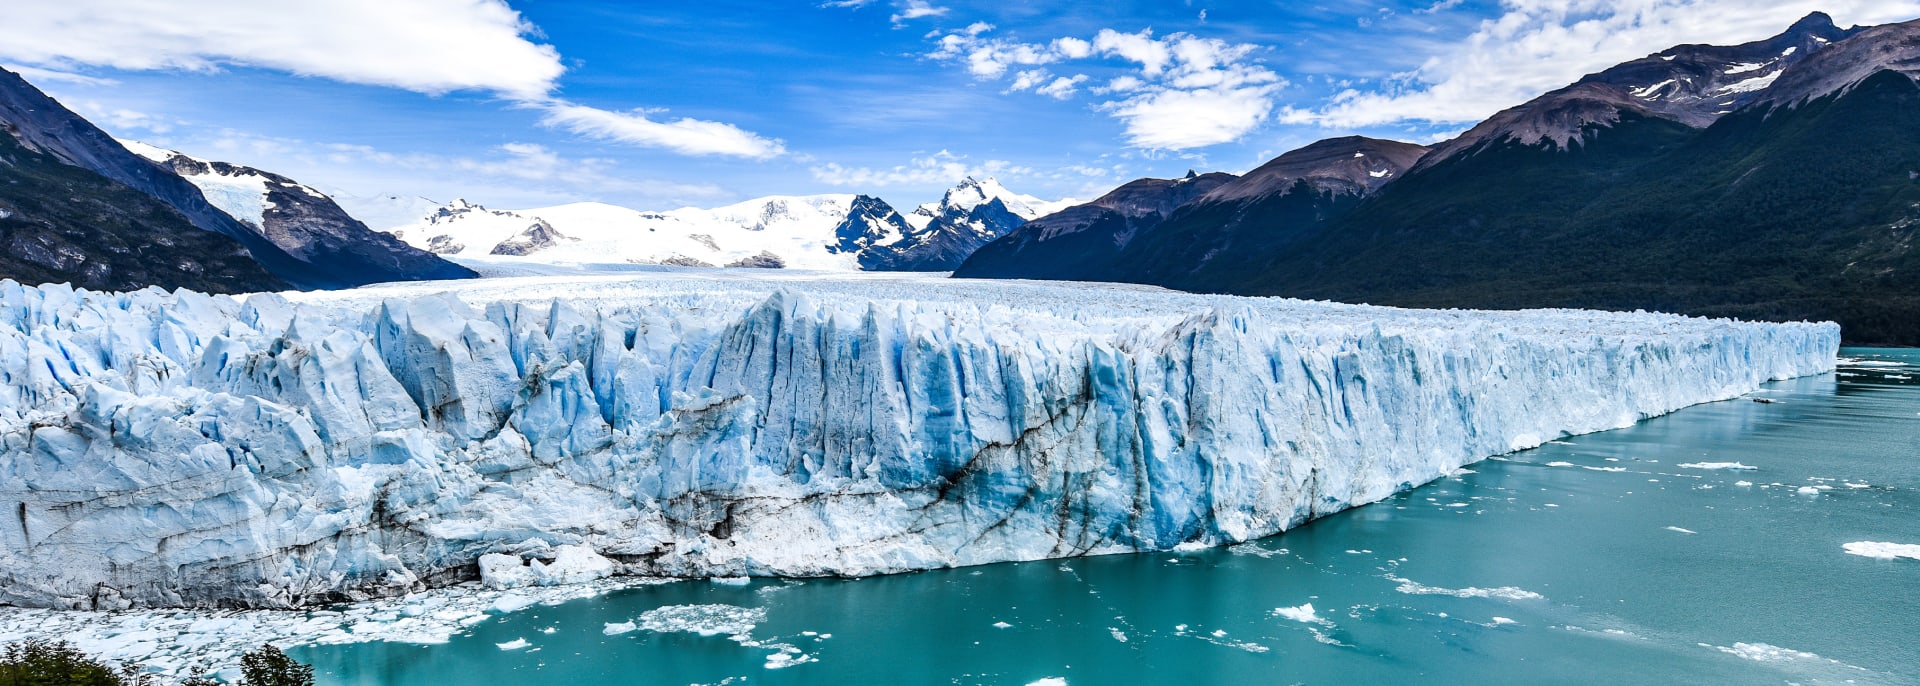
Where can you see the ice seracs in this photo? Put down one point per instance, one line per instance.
(281, 450)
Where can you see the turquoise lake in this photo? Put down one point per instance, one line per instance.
(1596, 559)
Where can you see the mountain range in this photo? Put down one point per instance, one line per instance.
(830, 232)
(1778, 180)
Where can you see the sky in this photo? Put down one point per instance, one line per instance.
(657, 105)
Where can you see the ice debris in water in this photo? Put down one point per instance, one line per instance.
(293, 449)
(1883, 551)
(181, 643)
(1304, 614)
(1503, 593)
(705, 620)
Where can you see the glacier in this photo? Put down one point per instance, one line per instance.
(282, 450)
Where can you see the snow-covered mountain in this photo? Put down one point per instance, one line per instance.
(386, 212)
(943, 234)
(181, 449)
(824, 232)
(302, 221)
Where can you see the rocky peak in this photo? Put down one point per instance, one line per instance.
(1354, 165)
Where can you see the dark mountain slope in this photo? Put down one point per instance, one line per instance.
(41, 124)
(63, 224)
(307, 224)
(1082, 242)
(1210, 222)
(1793, 213)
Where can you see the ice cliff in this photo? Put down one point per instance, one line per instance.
(183, 449)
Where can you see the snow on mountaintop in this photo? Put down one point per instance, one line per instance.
(799, 230)
(241, 192)
(386, 212)
(972, 193)
(831, 232)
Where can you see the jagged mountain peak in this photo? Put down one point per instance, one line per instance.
(971, 193)
(1847, 63)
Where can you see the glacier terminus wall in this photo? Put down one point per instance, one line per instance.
(278, 450)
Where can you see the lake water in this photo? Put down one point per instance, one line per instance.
(1599, 559)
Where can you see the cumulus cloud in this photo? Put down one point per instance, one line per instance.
(939, 168)
(686, 136)
(425, 46)
(428, 46)
(1535, 46)
(1180, 91)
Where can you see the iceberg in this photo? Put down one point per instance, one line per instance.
(284, 450)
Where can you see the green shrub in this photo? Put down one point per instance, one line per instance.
(270, 667)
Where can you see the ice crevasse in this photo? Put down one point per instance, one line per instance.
(180, 449)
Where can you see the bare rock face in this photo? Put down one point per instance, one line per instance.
(1354, 165)
(538, 236)
(764, 260)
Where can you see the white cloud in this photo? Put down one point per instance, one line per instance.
(429, 46)
(685, 135)
(918, 9)
(37, 75)
(1063, 87)
(1170, 119)
(1152, 55)
(1538, 45)
(990, 58)
(938, 169)
(425, 46)
(1180, 92)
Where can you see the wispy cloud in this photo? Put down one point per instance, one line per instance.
(917, 9)
(939, 168)
(684, 135)
(425, 46)
(515, 174)
(1537, 45)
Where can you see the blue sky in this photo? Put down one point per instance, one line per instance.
(657, 105)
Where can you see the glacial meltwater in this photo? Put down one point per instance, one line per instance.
(1734, 542)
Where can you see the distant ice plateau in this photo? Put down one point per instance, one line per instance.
(286, 450)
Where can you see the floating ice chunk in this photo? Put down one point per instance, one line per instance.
(1502, 593)
(1808, 490)
(1762, 652)
(1883, 551)
(1049, 681)
(512, 602)
(1718, 465)
(731, 580)
(1684, 531)
(1304, 614)
(1002, 625)
(705, 620)
(571, 564)
(1501, 621)
(1743, 483)
(618, 628)
(515, 644)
